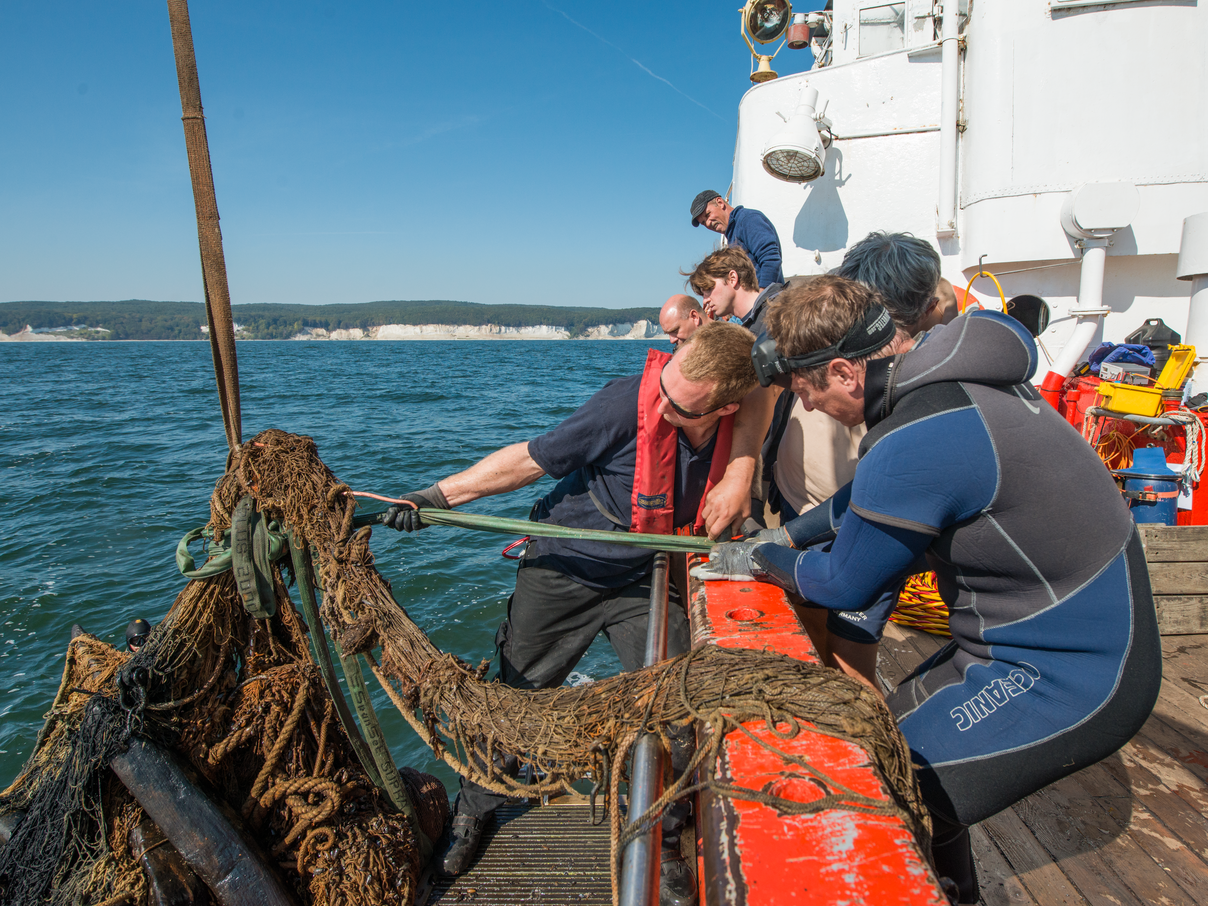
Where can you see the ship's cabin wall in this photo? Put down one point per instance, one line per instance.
(1053, 95)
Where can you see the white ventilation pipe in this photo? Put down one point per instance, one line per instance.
(945, 210)
(1193, 266)
(1088, 317)
(1092, 214)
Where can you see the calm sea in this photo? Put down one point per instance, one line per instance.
(109, 452)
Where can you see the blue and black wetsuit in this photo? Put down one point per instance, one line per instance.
(1055, 660)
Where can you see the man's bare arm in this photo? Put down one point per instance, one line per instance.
(502, 471)
(729, 503)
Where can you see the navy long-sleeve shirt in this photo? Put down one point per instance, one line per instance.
(751, 231)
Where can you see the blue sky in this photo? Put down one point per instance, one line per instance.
(522, 152)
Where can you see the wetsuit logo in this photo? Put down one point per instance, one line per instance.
(652, 501)
(994, 696)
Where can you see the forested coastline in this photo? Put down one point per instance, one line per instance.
(147, 320)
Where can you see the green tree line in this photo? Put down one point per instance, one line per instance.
(139, 319)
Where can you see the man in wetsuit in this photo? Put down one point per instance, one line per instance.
(639, 455)
(1055, 660)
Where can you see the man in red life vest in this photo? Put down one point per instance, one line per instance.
(638, 456)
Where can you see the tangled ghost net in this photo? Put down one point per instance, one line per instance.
(240, 701)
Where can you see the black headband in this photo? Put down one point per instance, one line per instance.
(870, 333)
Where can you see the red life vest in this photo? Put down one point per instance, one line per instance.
(653, 501)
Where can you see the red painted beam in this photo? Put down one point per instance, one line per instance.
(749, 853)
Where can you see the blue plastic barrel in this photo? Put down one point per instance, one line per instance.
(1151, 487)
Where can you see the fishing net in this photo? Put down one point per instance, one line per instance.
(240, 701)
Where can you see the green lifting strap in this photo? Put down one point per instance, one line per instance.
(371, 749)
(303, 569)
(220, 562)
(393, 783)
(251, 559)
(690, 544)
(216, 565)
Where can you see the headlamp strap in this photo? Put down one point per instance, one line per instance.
(867, 335)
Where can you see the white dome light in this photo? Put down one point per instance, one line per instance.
(797, 153)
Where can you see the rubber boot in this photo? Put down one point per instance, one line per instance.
(953, 855)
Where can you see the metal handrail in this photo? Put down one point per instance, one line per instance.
(640, 860)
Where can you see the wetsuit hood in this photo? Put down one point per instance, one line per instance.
(981, 347)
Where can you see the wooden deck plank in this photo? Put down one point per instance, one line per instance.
(902, 649)
(1173, 543)
(1154, 793)
(1179, 578)
(1052, 818)
(896, 657)
(999, 886)
(1033, 865)
(1182, 614)
(1185, 664)
(1141, 835)
(1080, 799)
(1163, 758)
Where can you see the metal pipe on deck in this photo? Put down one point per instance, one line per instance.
(640, 861)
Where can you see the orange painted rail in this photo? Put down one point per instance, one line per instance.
(751, 854)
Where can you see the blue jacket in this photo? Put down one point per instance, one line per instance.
(751, 231)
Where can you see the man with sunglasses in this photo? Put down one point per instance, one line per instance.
(637, 456)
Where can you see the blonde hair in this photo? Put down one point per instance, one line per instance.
(719, 352)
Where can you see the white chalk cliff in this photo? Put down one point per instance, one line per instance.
(641, 330)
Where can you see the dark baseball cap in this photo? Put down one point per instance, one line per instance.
(699, 203)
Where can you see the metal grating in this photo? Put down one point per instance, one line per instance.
(535, 856)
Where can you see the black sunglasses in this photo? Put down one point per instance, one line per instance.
(684, 413)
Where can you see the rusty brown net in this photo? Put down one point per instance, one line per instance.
(241, 701)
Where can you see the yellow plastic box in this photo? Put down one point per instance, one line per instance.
(1128, 399)
(1131, 400)
(1177, 367)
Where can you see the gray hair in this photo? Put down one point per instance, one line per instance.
(904, 269)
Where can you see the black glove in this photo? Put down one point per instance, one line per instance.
(731, 561)
(405, 518)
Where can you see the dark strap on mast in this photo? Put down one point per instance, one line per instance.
(209, 236)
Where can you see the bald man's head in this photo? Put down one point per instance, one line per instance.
(679, 318)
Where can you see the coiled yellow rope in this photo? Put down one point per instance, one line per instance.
(920, 606)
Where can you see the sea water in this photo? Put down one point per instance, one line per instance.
(109, 453)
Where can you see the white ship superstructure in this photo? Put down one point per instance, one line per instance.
(1095, 107)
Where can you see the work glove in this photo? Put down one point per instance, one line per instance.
(406, 518)
(730, 561)
(778, 535)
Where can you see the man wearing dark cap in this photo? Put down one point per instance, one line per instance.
(745, 228)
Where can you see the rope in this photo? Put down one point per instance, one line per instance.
(209, 236)
(921, 607)
(1193, 462)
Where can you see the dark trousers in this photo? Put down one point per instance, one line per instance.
(551, 622)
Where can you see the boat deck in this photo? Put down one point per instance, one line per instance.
(1129, 830)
